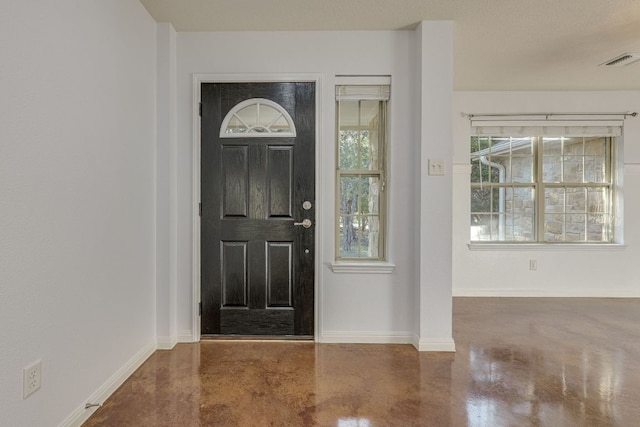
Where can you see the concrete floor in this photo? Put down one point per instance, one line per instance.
(519, 362)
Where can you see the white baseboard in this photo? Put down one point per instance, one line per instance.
(434, 344)
(80, 415)
(367, 337)
(167, 343)
(550, 293)
(185, 336)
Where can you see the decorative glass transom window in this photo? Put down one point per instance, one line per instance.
(361, 171)
(257, 117)
(543, 184)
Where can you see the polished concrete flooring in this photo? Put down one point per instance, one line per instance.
(519, 362)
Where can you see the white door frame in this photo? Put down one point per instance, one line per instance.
(198, 79)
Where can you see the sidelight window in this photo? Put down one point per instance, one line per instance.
(361, 175)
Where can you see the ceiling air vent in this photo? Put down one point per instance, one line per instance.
(622, 60)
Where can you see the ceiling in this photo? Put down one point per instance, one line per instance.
(499, 44)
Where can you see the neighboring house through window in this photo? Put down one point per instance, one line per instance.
(543, 184)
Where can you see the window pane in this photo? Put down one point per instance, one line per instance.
(573, 146)
(480, 143)
(363, 238)
(361, 167)
(373, 234)
(594, 169)
(598, 228)
(575, 184)
(360, 239)
(575, 227)
(359, 220)
(349, 113)
(595, 146)
(499, 166)
(575, 215)
(348, 149)
(597, 201)
(523, 228)
(359, 236)
(499, 145)
(359, 135)
(552, 169)
(481, 200)
(348, 237)
(236, 126)
(519, 206)
(503, 214)
(576, 199)
(598, 215)
(554, 200)
(506, 160)
(477, 171)
(484, 227)
(522, 146)
(552, 146)
(369, 122)
(572, 170)
(521, 169)
(280, 125)
(554, 227)
(349, 193)
(370, 195)
(364, 150)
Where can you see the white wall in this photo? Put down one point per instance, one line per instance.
(166, 188)
(353, 306)
(77, 134)
(433, 194)
(561, 272)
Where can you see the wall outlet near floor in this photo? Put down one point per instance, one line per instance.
(32, 378)
(436, 167)
(533, 264)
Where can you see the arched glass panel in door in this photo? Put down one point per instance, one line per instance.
(257, 117)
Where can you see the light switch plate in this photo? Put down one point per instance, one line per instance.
(436, 167)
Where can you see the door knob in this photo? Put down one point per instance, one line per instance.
(306, 223)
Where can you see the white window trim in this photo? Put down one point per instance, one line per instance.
(608, 128)
(489, 246)
(366, 265)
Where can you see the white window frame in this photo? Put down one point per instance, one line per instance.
(595, 127)
(364, 88)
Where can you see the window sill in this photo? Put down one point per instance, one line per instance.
(546, 247)
(362, 267)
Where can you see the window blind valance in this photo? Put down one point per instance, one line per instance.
(363, 88)
(547, 128)
(364, 92)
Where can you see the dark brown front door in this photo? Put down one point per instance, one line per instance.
(257, 266)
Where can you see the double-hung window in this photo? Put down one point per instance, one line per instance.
(361, 173)
(543, 184)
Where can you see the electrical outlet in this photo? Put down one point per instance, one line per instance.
(32, 378)
(436, 167)
(533, 264)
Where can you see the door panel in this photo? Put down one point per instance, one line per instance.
(257, 267)
(235, 274)
(279, 274)
(280, 179)
(235, 173)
